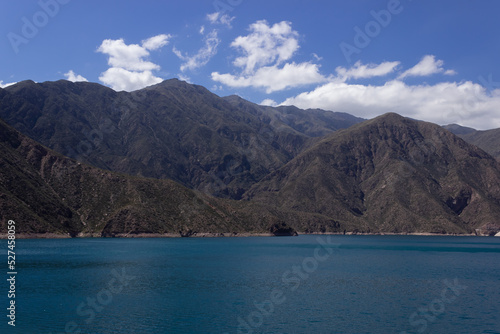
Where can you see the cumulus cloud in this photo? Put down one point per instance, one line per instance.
(2, 85)
(269, 102)
(129, 70)
(203, 56)
(73, 77)
(266, 51)
(465, 103)
(428, 65)
(266, 45)
(359, 71)
(274, 78)
(121, 79)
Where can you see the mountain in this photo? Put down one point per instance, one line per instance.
(49, 194)
(288, 169)
(173, 130)
(458, 129)
(488, 140)
(311, 122)
(389, 174)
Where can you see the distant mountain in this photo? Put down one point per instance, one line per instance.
(458, 129)
(390, 174)
(488, 140)
(311, 122)
(49, 194)
(172, 130)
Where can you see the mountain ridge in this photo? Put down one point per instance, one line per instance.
(48, 194)
(312, 171)
(171, 130)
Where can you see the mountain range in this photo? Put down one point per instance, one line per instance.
(81, 159)
(172, 130)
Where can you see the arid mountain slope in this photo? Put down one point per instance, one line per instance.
(47, 193)
(390, 174)
(488, 140)
(173, 130)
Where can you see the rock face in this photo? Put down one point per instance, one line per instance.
(47, 193)
(282, 229)
(389, 174)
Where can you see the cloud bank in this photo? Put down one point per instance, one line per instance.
(465, 103)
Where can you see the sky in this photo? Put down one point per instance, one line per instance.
(430, 60)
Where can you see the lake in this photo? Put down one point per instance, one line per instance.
(305, 284)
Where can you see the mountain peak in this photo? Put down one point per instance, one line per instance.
(458, 129)
(169, 83)
(392, 174)
(390, 117)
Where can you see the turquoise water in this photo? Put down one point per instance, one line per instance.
(305, 284)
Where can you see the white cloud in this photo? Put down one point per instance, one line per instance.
(71, 76)
(274, 78)
(220, 18)
(213, 17)
(156, 42)
(129, 70)
(184, 78)
(129, 57)
(269, 102)
(266, 50)
(318, 58)
(428, 65)
(465, 103)
(2, 85)
(266, 45)
(203, 56)
(121, 79)
(359, 71)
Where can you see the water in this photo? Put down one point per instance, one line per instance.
(305, 284)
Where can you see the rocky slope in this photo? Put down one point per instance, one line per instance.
(49, 194)
(390, 174)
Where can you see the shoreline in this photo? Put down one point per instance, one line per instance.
(220, 235)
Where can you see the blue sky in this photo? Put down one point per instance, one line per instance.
(430, 60)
